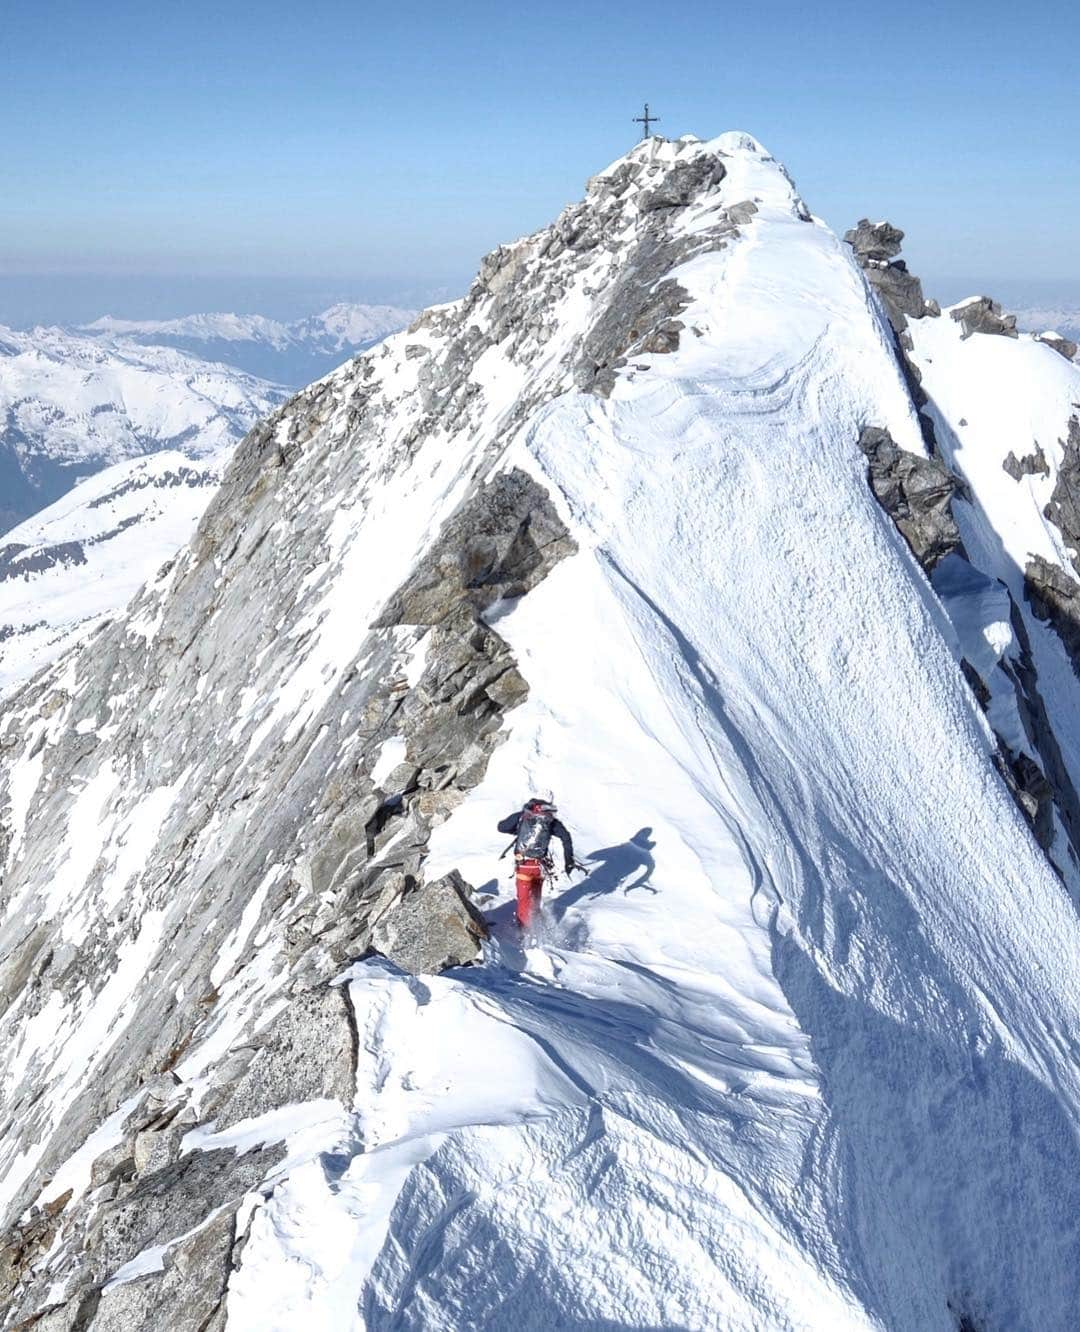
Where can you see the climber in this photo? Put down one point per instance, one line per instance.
(533, 827)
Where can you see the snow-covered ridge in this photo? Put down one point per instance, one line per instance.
(799, 1050)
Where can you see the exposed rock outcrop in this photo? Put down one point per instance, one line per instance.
(1031, 464)
(876, 242)
(1055, 597)
(1063, 509)
(983, 315)
(496, 547)
(916, 493)
(876, 245)
(682, 184)
(14, 563)
(1063, 346)
(431, 927)
(187, 1212)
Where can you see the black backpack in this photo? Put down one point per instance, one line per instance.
(534, 832)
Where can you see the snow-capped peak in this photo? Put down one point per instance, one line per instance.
(227, 327)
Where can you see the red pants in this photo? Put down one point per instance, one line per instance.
(530, 879)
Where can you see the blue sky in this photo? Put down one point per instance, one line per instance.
(266, 152)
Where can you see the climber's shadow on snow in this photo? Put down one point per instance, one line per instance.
(627, 866)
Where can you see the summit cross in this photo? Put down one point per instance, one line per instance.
(646, 120)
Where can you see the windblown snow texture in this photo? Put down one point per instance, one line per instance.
(799, 1051)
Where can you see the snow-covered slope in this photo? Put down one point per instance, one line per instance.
(799, 1051)
(1004, 413)
(85, 556)
(287, 353)
(70, 406)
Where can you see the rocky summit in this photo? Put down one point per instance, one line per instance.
(702, 518)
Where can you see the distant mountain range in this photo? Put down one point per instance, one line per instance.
(71, 405)
(292, 354)
(1063, 319)
(73, 401)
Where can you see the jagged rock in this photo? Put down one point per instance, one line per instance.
(1063, 509)
(156, 1148)
(875, 245)
(685, 181)
(117, 1162)
(308, 1053)
(24, 1244)
(932, 308)
(647, 306)
(983, 315)
(434, 926)
(916, 493)
(187, 1294)
(874, 240)
(173, 1201)
(1036, 798)
(900, 290)
(500, 544)
(341, 852)
(1063, 346)
(1031, 464)
(1055, 597)
(626, 329)
(973, 600)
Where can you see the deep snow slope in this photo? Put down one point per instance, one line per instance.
(287, 353)
(85, 556)
(1005, 413)
(70, 406)
(798, 1052)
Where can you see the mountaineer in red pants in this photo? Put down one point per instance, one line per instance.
(534, 827)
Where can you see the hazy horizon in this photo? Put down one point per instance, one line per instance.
(29, 300)
(380, 152)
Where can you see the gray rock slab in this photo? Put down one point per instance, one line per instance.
(308, 1053)
(916, 492)
(434, 926)
(1062, 345)
(983, 315)
(185, 1296)
(874, 240)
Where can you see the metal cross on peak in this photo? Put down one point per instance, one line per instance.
(646, 120)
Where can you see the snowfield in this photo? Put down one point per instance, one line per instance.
(83, 558)
(800, 1050)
